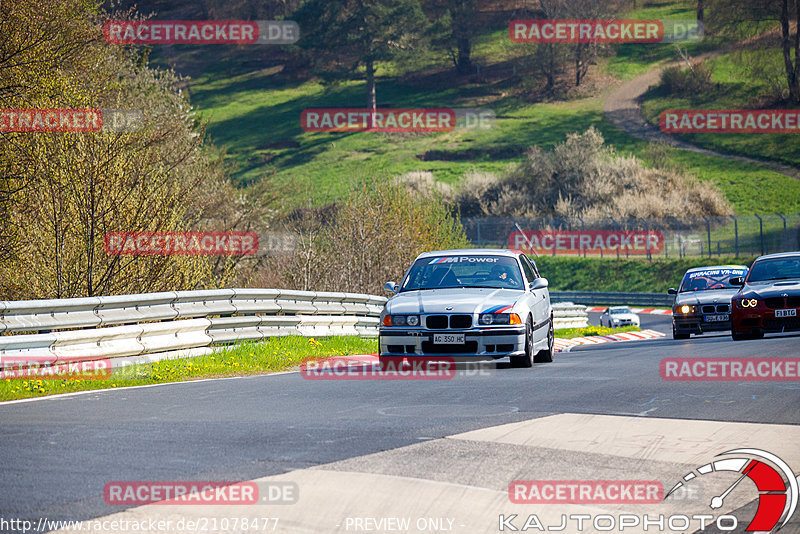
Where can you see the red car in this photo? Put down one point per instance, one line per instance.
(769, 299)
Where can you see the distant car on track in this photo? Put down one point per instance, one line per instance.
(474, 303)
(618, 316)
(703, 300)
(768, 299)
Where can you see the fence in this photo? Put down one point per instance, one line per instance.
(741, 235)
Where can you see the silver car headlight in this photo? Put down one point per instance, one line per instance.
(401, 320)
(498, 318)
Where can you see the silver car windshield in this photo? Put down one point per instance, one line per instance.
(501, 272)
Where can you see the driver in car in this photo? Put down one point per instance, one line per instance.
(500, 272)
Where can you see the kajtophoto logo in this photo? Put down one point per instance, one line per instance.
(201, 32)
(180, 243)
(775, 482)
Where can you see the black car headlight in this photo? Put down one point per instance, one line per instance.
(747, 303)
(400, 320)
(498, 318)
(685, 309)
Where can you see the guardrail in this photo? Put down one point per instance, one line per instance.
(154, 323)
(569, 315)
(593, 298)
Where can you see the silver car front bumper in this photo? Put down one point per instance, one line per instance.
(479, 343)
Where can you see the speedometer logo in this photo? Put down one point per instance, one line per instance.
(776, 483)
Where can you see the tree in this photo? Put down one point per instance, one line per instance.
(747, 18)
(454, 27)
(69, 189)
(347, 34)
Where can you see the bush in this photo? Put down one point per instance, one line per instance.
(686, 82)
(371, 238)
(582, 177)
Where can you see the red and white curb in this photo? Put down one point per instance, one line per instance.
(652, 311)
(562, 344)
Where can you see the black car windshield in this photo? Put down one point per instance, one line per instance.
(710, 279)
(501, 272)
(775, 269)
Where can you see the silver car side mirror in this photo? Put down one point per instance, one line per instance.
(391, 287)
(539, 283)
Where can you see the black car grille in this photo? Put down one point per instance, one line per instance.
(719, 308)
(440, 322)
(793, 302)
(775, 302)
(460, 321)
(470, 347)
(785, 323)
(436, 322)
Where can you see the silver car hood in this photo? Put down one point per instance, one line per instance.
(467, 300)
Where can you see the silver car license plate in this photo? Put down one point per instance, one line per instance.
(717, 318)
(448, 339)
(785, 313)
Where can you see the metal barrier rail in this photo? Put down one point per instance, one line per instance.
(154, 323)
(594, 298)
(132, 325)
(569, 315)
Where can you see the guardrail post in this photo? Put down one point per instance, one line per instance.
(735, 234)
(583, 229)
(760, 231)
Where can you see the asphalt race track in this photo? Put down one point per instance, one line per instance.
(416, 449)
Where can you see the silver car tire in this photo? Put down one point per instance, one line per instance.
(525, 360)
(546, 356)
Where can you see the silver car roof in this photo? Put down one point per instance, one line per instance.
(465, 251)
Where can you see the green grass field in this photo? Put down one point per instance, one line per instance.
(593, 274)
(738, 86)
(275, 354)
(255, 116)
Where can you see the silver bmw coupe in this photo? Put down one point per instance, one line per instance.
(472, 303)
